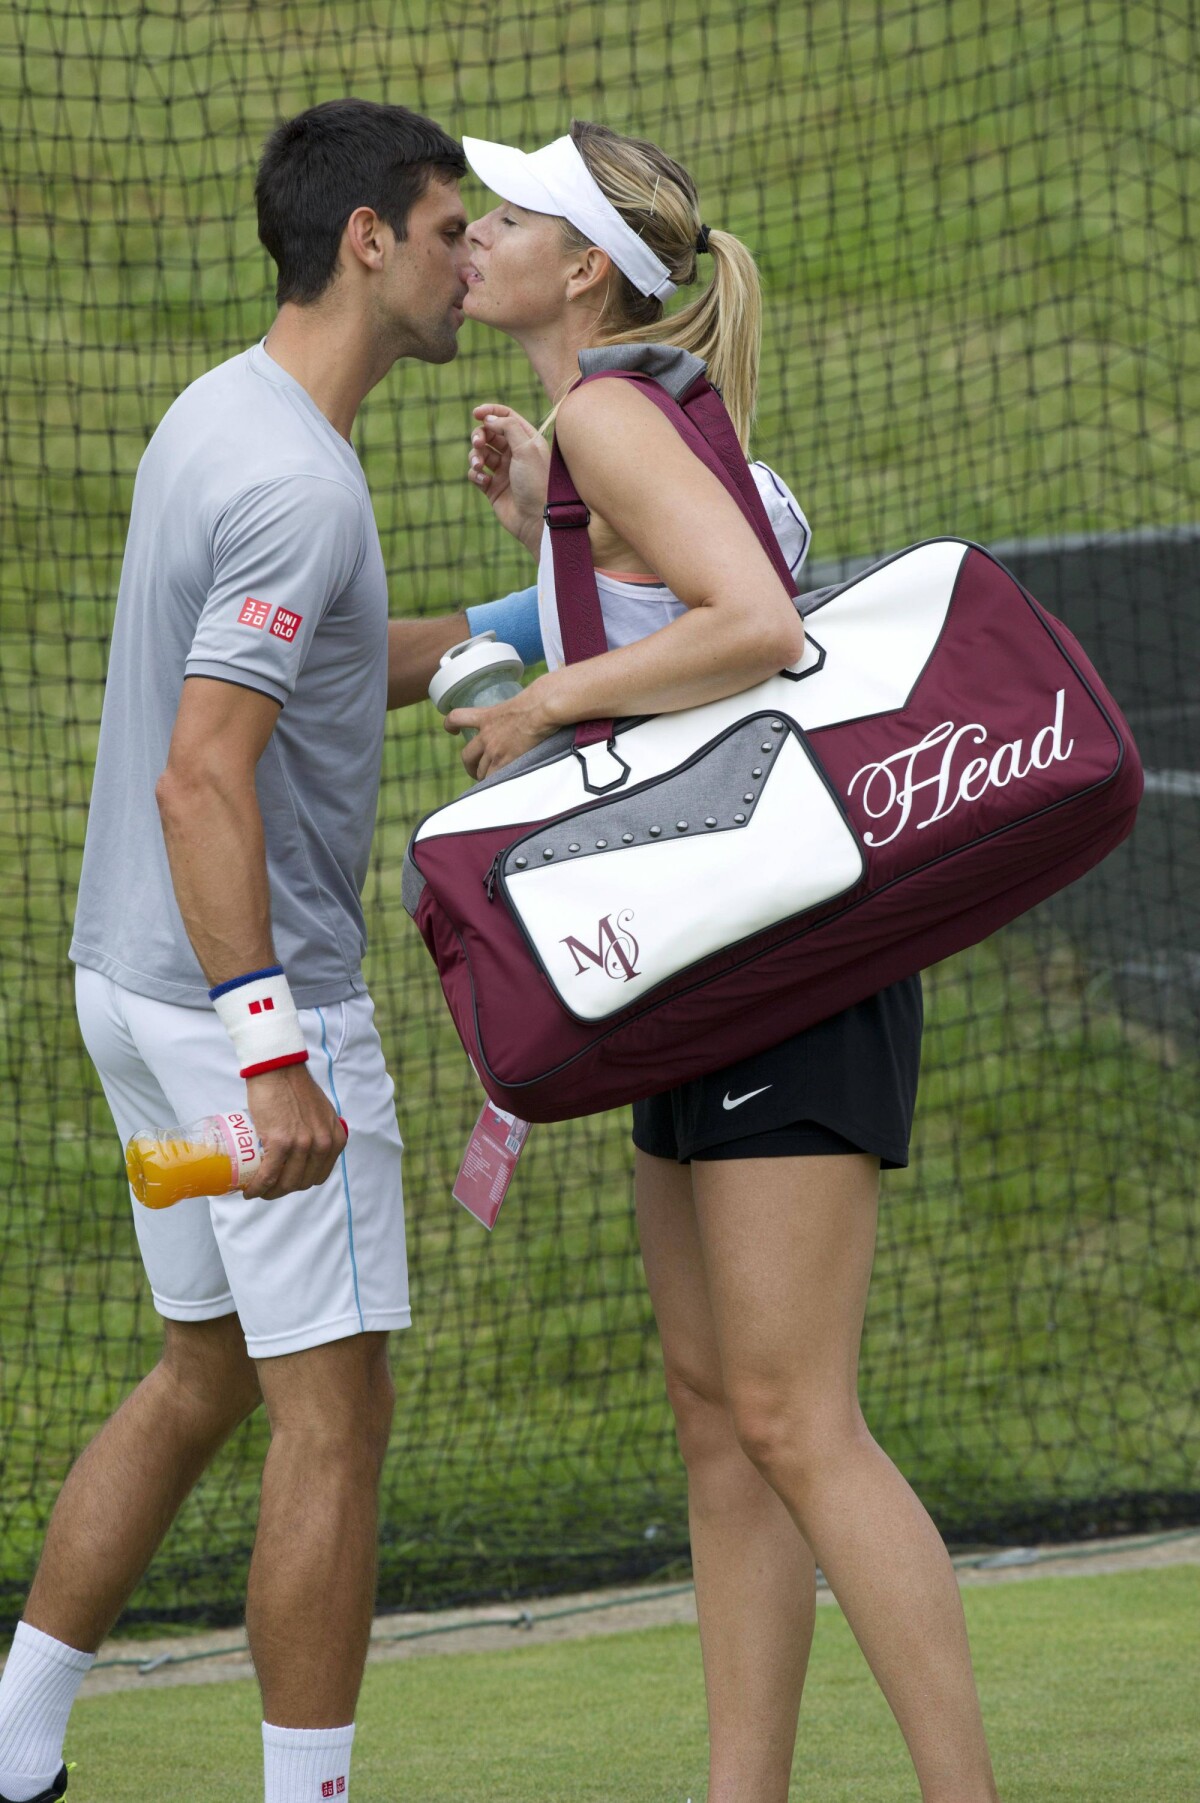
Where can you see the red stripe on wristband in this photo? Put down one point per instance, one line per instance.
(274, 1064)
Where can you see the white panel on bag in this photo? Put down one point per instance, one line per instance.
(878, 636)
(650, 750)
(611, 927)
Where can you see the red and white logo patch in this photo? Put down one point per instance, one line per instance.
(254, 613)
(285, 624)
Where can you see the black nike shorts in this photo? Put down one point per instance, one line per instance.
(847, 1085)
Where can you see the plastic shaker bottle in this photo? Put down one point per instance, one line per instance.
(479, 672)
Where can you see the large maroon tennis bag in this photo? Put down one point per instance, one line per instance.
(630, 906)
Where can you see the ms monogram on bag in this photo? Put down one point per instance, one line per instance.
(616, 952)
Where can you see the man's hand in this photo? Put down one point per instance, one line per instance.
(510, 462)
(301, 1134)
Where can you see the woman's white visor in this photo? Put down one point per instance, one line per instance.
(556, 180)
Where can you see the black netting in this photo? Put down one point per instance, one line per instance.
(973, 226)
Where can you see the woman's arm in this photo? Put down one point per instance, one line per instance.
(634, 470)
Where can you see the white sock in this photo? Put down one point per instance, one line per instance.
(41, 1678)
(306, 1765)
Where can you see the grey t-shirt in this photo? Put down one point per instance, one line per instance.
(252, 557)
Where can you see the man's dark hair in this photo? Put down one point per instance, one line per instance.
(317, 168)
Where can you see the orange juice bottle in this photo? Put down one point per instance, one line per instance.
(209, 1157)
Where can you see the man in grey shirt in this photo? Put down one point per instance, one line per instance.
(219, 939)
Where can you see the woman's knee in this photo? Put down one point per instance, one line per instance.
(791, 1436)
(702, 1421)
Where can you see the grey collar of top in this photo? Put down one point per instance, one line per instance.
(672, 368)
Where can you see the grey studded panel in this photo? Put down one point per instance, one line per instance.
(716, 793)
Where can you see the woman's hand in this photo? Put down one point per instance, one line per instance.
(510, 462)
(505, 731)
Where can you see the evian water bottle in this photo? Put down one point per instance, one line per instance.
(209, 1157)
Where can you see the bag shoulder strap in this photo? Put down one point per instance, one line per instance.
(700, 418)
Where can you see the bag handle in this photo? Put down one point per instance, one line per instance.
(700, 418)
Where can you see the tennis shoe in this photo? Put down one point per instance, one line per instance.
(53, 1793)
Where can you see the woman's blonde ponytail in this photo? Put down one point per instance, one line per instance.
(657, 197)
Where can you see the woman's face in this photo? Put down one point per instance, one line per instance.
(519, 275)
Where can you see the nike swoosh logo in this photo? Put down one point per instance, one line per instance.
(736, 1101)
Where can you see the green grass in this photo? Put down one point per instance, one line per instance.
(973, 228)
(1087, 1686)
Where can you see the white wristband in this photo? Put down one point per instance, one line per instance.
(259, 1015)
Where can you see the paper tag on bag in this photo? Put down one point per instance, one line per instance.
(489, 1161)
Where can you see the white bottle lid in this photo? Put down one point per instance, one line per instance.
(466, 662)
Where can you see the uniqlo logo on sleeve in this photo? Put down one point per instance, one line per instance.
(254, 613)
(327, 1788)
(284, 625)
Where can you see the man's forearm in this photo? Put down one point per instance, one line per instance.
(213, 833)
(415, 648)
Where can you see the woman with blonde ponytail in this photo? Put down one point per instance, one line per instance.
(756, 1188)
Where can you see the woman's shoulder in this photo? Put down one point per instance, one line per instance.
(672, 368)
(592, 401)
(614, 427)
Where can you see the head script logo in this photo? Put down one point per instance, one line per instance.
(616, 952)
(891, 787)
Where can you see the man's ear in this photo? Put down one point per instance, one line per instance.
(363, 239)
(588, 273)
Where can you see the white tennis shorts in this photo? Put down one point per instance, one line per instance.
(318, 1265)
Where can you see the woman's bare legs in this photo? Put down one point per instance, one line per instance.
(787, 1246)
(755, 1578)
